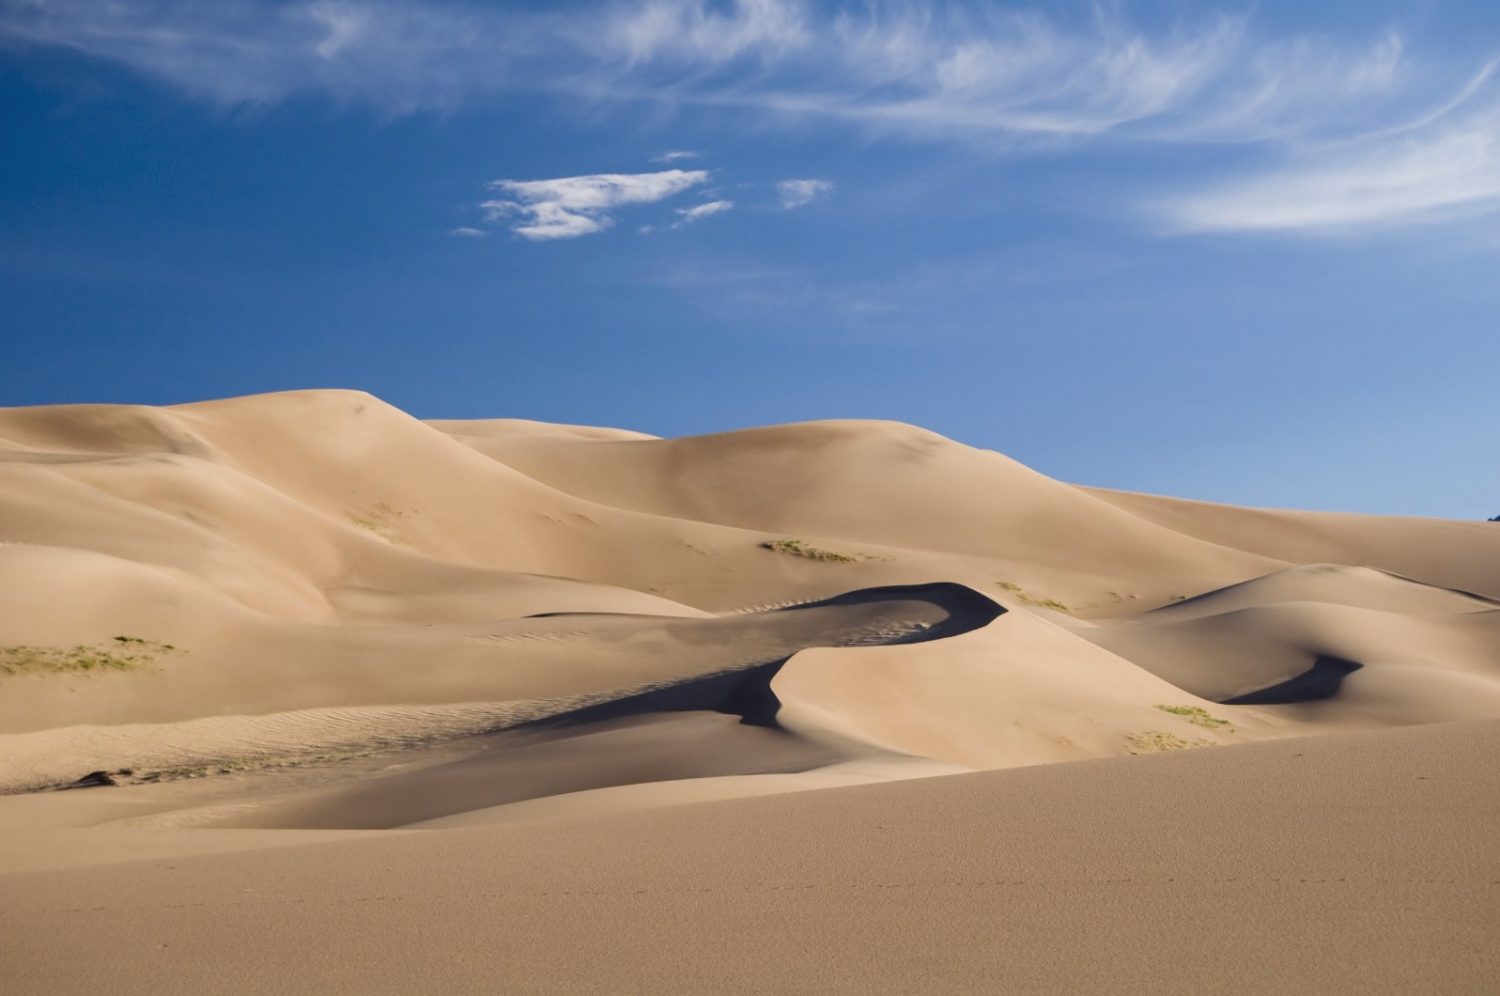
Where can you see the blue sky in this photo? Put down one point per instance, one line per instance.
(1241, 253)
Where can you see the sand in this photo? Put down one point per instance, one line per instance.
(395, 706)
(1335, 864)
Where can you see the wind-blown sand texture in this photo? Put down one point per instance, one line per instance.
(500, 706)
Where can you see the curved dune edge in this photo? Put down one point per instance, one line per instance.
(221, 744)
(1312, 637)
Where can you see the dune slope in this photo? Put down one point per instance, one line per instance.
(1337, 864)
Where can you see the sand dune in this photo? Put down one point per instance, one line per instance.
(879, 485)
(1334, 630)
(310, 613)
(1436, 551)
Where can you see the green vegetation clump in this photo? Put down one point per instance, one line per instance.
(124, 653)
(1196, 716)
(1027, 599)
(797, 548)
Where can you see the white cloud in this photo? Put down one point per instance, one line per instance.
(800, 193)
(1438, 165)
(673, 155)
(466, 232)
(700, 211)
(570, 206)
(1403, 180)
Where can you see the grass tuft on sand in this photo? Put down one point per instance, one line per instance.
(1197, 716)
(381, 519)
(1028, 599)
(1155, 741)
(123, 653)
(797, 548)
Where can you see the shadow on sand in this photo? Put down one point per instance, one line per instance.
(1321, 681)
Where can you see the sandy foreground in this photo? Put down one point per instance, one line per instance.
(498, 706)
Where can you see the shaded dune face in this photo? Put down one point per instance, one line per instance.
(1321, 681)
(317, 577)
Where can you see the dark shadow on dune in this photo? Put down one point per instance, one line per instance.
(1321, 681)
(968, 609)
(746, 692)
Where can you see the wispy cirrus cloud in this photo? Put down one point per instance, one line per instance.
(402, 56)
(800, 193)
(1330, 131)
(570, 206)
(1454, 174)
(1008, 77)
(696, 32)
(941, 70)
(1440, 166)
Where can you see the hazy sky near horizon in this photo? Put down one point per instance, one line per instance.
(1246, 253)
